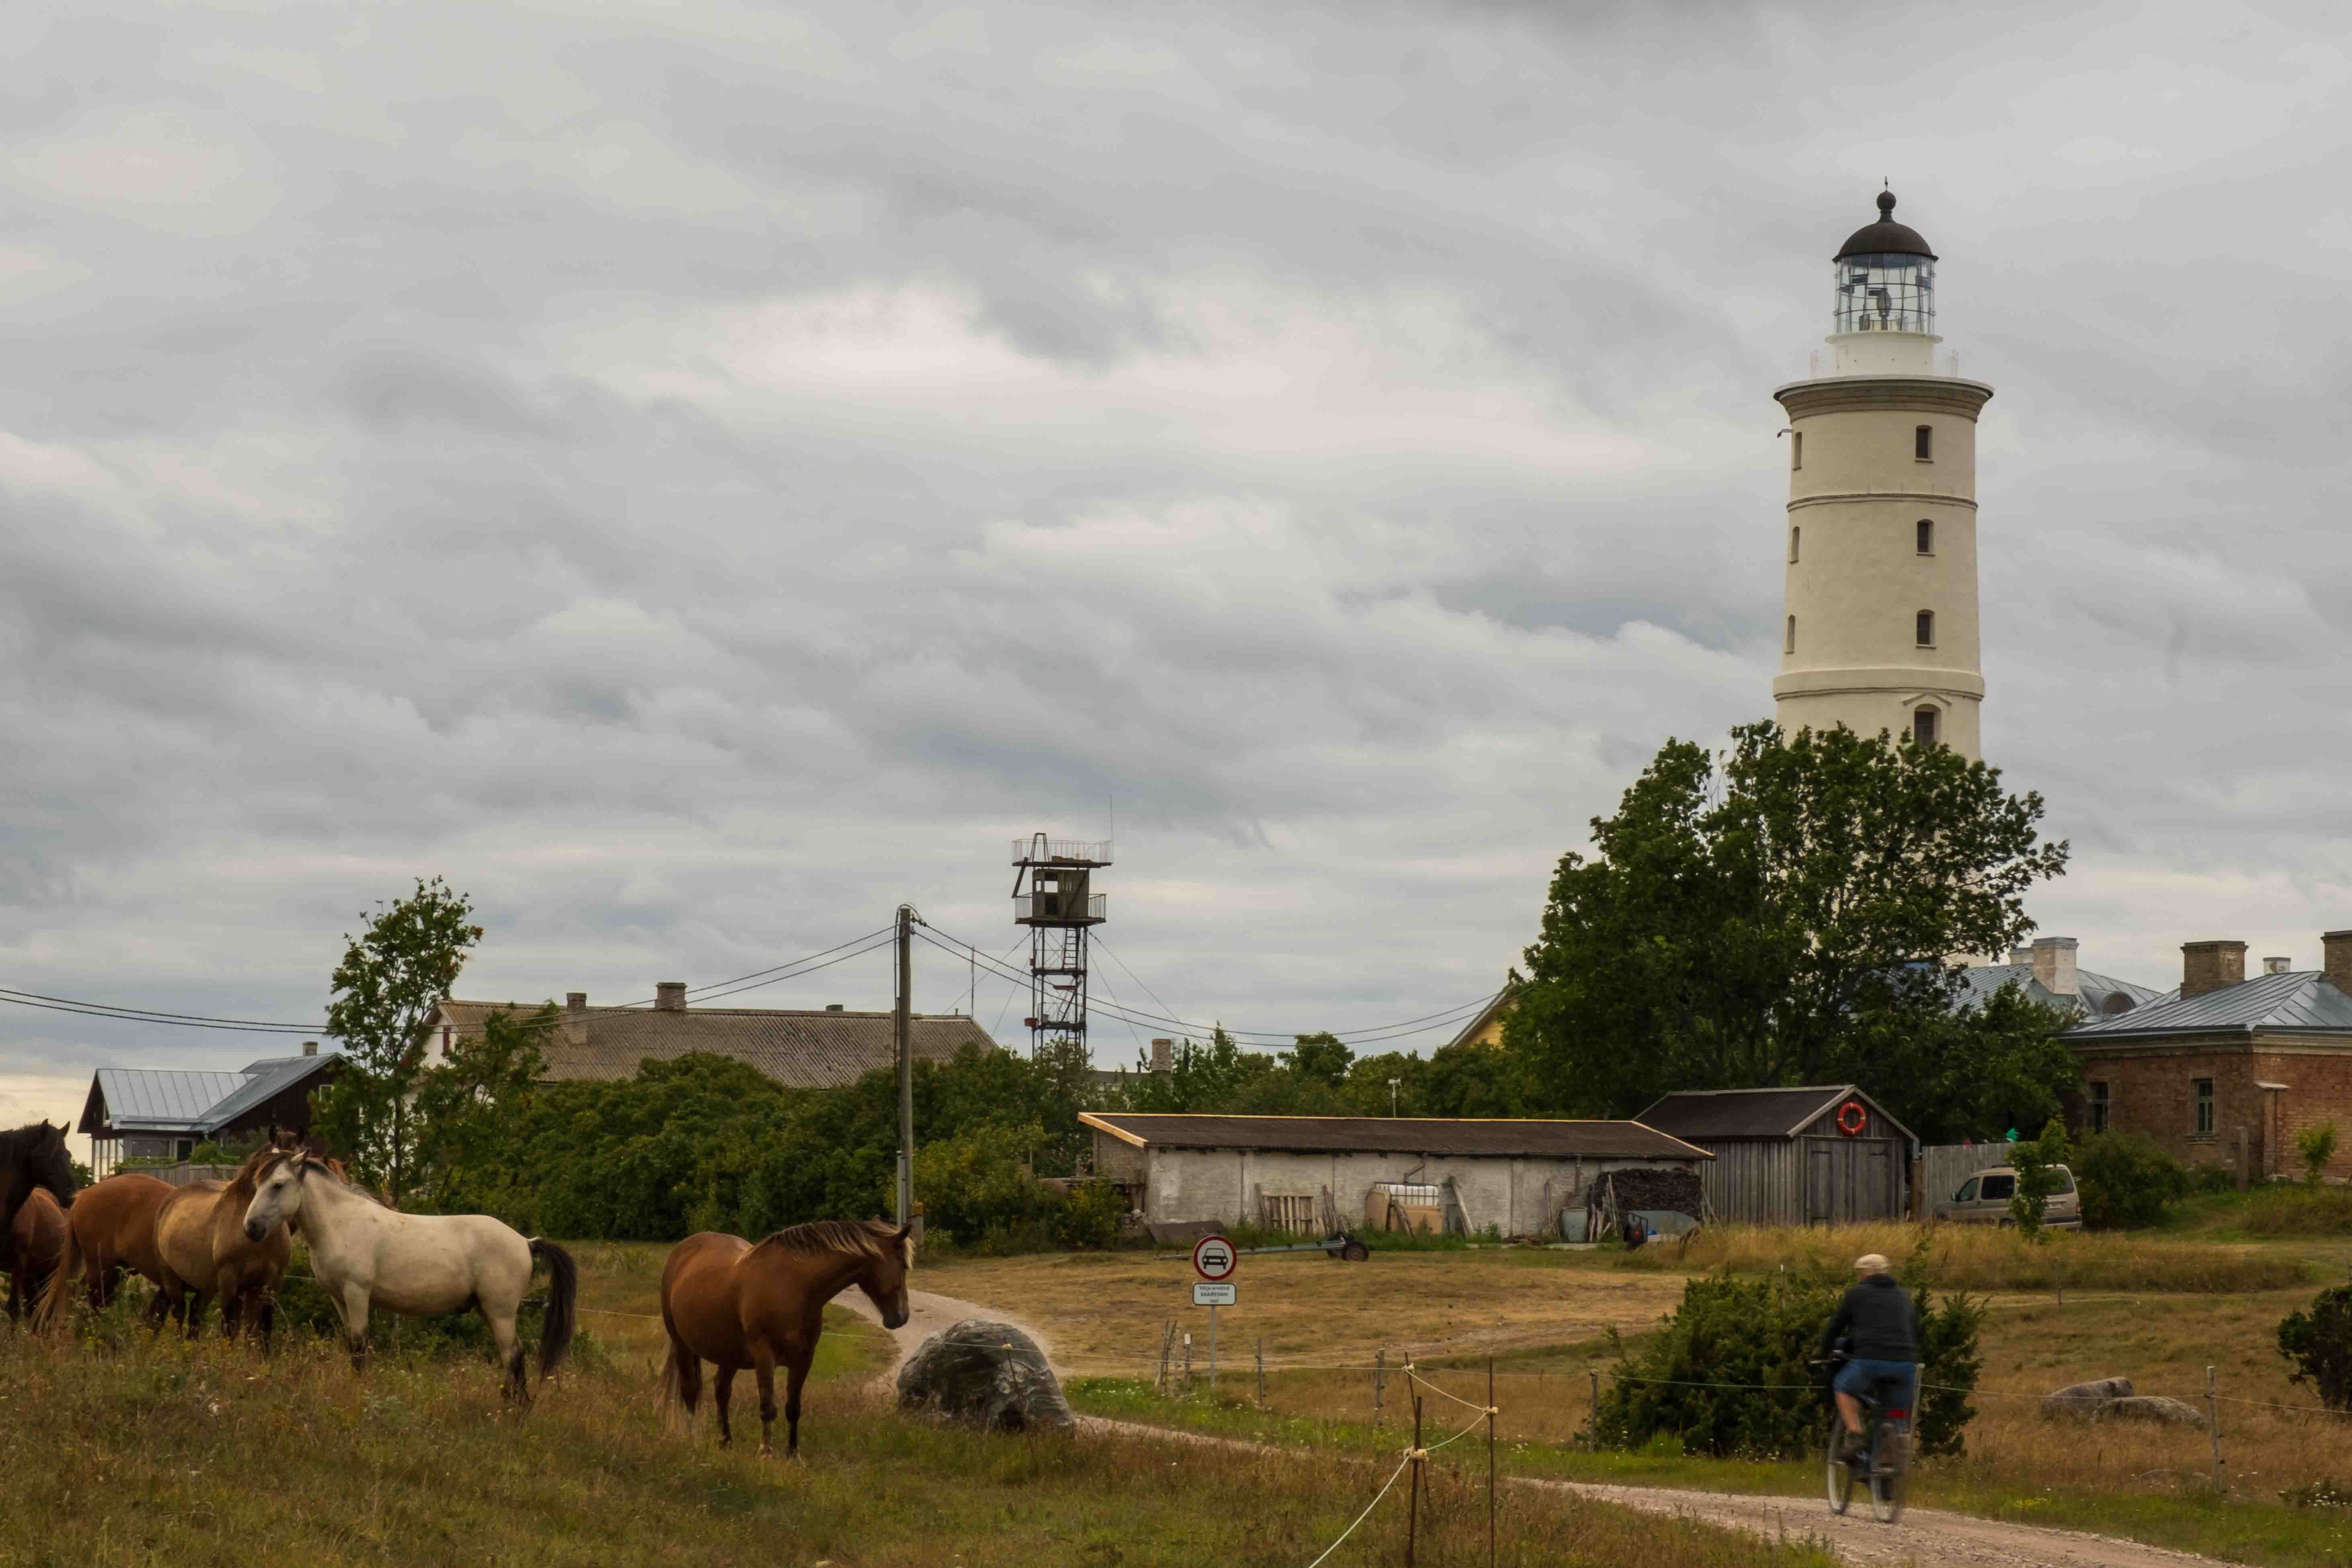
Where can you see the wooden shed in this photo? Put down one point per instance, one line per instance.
(1821, 1154)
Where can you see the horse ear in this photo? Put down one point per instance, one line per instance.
(905, 1231)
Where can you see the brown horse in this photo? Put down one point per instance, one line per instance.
(200, 1231)
(725, 1301)
(36, 1242)
(109, 1228)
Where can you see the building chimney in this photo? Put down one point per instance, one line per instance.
(2212, 965)
(2054, 965)
(669, 995)
(1163, 1052)
(2020, 955)
(575, 1003)
(2336, 959)
(2277, 965)
(833, 1006)
(309, 1047)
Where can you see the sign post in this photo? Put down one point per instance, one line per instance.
(1215, 1260)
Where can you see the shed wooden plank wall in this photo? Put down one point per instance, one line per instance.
(1752, 1181)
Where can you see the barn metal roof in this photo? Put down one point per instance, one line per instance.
(799, 1049)
(1754, 1113)
(169, 1100)
(1397, 1135)
(2299, 1001)
(2098, 995)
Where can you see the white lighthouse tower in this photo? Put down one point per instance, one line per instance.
(1880, 630)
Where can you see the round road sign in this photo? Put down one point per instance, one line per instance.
(1213, 1258)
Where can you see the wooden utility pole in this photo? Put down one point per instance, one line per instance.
(900, 1036)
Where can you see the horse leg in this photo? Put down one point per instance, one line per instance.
(355, 1323)
(195, 1302)
(509, 1343)
(763, 1368)
(795, 1373)
(722, 1390)
(268, 1316)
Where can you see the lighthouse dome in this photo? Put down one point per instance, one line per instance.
(1884, 237)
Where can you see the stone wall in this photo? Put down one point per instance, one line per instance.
(2151, 1091)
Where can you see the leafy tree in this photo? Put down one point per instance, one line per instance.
(1368, 1091)
(2036, 1161)
(1782, 916)
(2318, 1344)
(2316, 1145)
(1321, 1058)
(975, 1185)
(466, 1105)
(391, 975)
(2127, 1182)
(1200, 1077)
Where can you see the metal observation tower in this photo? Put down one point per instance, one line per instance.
(1053, 897)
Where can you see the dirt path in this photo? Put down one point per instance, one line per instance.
(1928, 1536)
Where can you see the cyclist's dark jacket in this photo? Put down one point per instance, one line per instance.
(1877, 1312)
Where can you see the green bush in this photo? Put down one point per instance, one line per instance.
(1088, 1217)
(2126, 1183)
(2318, 1345)
(2211, 1180)
(2296, 1211)
(978, 1184)
(2316, 1145)
(1727, 1375)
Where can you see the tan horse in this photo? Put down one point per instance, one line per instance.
(36, 1243)
(726, 1301)
(109, 1228)
(200, 1231)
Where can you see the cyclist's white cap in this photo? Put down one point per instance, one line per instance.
(1871, 1263)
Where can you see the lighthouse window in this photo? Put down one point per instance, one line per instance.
(1789, 637)
(1926, 628)
(1793, 543)
(1796, 449)
(1923, 726)
(1926, 536)
(1923, 443)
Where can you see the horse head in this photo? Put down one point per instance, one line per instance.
(278, 1186)
(47, 1164)
(884, 1281)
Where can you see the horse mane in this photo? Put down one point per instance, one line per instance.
(859, 1237)
(18, 1140)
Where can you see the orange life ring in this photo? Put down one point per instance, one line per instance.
(1852, 1118)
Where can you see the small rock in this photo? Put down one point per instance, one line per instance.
(2083, 1398)
(987, 1374)
(2150, 1407)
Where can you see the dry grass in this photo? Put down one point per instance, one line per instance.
(208, 1454)
(1982, 1258)
(1104, 1313)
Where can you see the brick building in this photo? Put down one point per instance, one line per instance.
(2229, 1070)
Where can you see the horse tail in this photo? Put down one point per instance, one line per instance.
(681, 1384)
(59, 1288)
(563, 1309)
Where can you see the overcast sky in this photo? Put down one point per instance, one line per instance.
(697, 474)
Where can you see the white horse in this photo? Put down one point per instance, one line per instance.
(415, 1265)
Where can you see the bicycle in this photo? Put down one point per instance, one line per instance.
(1883, 1458)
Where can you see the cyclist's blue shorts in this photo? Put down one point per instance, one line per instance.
(1857, 1376)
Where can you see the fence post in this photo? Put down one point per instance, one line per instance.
(1188, 1362)
(1167, 1343)
(2214, 1426)
(1379, 1377)
(1592, 1422)
(1261, 1371)
(1490, 1462)
(1413, 1490)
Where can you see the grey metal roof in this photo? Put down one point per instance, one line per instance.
(2300, 1001)
(137, 1097)
(266, 1080)
(1397, 1135)
(2099, 995)
(1753, 1112)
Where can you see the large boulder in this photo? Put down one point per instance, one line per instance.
(990, 1375)
(2154, 1408)
(2085, 1398)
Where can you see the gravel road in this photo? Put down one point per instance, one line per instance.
(1926, 1536)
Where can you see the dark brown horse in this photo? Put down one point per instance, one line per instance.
(36, 1243)
(725, 1301)
(32, 1159)
(109, 1228)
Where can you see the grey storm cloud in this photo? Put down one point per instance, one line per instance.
(698, 477)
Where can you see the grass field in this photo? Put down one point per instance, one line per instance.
(159, 1451)
(1983, 1258)
(1105, 1311)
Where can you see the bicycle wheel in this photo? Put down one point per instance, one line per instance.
(1839, 1479)
(1890, 1470)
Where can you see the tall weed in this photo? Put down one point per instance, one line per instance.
(1981, 1258)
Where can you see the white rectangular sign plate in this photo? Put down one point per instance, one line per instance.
(1208, 1294)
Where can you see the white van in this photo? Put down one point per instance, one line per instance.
(1984, 1199)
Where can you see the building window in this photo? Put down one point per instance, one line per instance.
(1789, 636)
(2098, 1106)
(1926, 628)
(1796, 449)
(1923, 726)
(1923, 443)
(2201, 1094)
(1926, 536)
(1793, 544)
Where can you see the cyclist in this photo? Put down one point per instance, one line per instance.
(1877, 1318)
